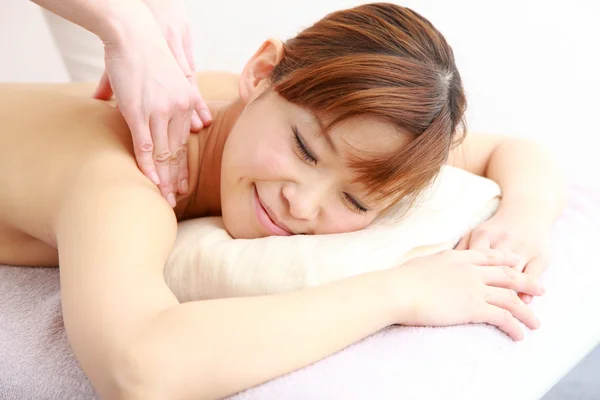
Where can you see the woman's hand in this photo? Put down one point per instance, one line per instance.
(528, 241)
(468, 286)
(154, 84)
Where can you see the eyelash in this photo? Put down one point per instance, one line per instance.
(354, 204)
(311, 160)
(302, 148)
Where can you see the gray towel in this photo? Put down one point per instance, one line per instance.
(36, 361)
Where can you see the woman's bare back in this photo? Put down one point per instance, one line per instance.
(48, 132)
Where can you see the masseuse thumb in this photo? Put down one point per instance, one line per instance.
(104, 90)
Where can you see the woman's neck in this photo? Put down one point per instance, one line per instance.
(205, 151)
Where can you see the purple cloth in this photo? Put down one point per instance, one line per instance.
(462, 362)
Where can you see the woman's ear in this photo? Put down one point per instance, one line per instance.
(258, 68)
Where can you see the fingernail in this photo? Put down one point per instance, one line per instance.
(154, 178)
(183, 186)
(205, 115)
(171, 199)
(196, 122)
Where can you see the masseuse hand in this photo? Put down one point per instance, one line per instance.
(517, 235)
(151, 68)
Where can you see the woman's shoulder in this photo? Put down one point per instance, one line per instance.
(218, 85)
(50, 135)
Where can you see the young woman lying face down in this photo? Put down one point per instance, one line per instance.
(326, 131)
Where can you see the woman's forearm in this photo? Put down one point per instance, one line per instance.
(211, 349)
(532, 183)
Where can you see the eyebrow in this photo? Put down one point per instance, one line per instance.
(316, 118)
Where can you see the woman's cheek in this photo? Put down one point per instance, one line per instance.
(274, 161)
(344, 220)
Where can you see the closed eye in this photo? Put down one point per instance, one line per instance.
(307, 156)
(305, 153)
(355, 204)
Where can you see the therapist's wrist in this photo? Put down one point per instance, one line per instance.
(128, 21)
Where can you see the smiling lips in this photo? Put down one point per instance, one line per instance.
(266, 218)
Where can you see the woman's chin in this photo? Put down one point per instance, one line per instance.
(238, 229)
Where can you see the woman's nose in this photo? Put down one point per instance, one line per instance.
(304, 202)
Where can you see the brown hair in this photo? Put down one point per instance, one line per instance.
(385, 62)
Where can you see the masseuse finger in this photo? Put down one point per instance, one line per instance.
(104, 89)
(179, 131)
(201, 109)
(183, 62)
(143, 147)
(186, 41)
(162, 155)
(175, 138)
(183, 177)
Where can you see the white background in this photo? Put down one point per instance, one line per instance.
(530, 67)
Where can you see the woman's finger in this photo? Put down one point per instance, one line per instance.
(480, 240)
(463, 244)
(508, 300)
(503, 319)
(506, 277)
(505, 244)
(501, 243)
(536, 267)
(492, 257)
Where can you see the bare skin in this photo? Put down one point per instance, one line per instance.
(48, 144)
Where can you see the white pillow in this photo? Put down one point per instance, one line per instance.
(207, 263)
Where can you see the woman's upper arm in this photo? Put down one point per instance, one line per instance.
(474, 153)
(113, 240)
